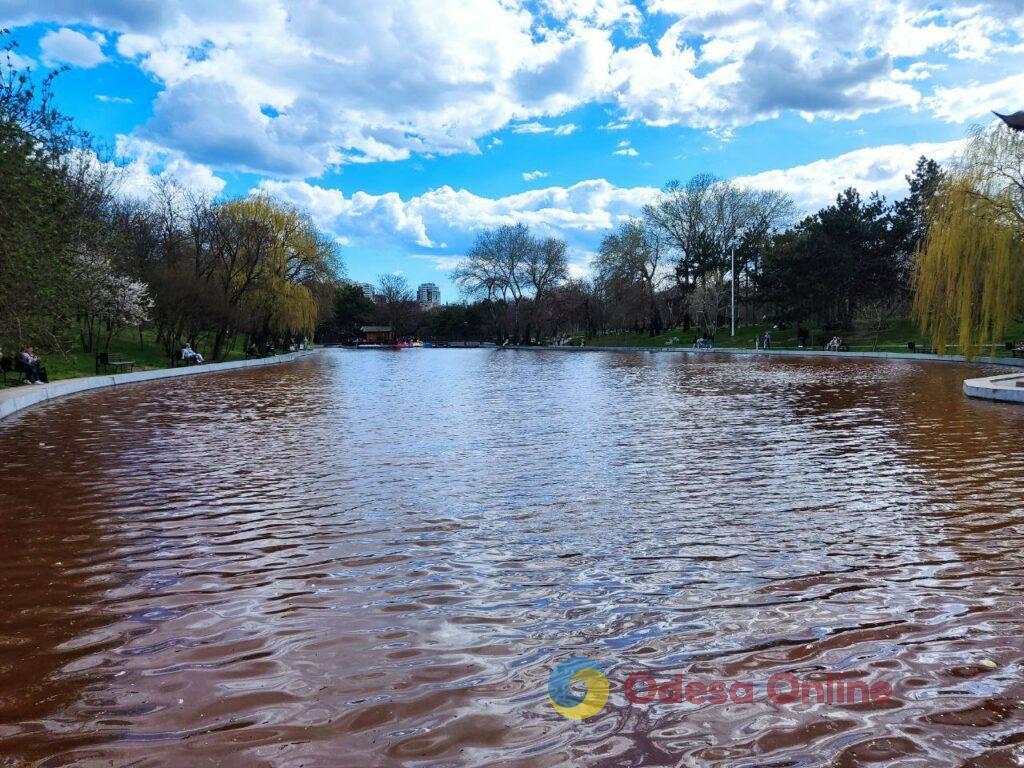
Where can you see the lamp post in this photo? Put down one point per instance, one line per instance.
(733, 289)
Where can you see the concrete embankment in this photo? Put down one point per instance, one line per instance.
(1008, 361)
(14, 399)
(1008, 388)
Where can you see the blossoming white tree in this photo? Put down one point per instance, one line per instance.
(107, 300)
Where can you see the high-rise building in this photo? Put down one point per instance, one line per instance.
(428, 295)
(366, 288)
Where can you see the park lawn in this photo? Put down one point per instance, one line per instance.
(126, 345)
(893, 338)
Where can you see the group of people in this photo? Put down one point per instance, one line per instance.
(269, 349)
(835, 344)
(29, 363)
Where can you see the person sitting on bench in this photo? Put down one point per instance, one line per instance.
(31, 366)
(189, 355)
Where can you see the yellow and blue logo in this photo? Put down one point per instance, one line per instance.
(574, 705)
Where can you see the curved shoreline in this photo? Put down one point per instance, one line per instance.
(1001, 388)
(15, 399)
(921, 357)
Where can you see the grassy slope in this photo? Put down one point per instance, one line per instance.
(125, 346)
(892, 339)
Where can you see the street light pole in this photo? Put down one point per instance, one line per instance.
(734, 289)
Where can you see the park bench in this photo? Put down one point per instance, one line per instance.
(9, 368)
(177, 362)
(106, 364)
(924, 349)
(1015, 348)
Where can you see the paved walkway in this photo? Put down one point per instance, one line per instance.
(14, 399)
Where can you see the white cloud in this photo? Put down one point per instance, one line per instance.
(535, 127)
(626, 152)
(977, 100)
(113, 99)
(143, 164)
(441, 263)
(66, 46)
(448, 218)
(530, 128)
(881, 169)
(531, 175)
(293, 89)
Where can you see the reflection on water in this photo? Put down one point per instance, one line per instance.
(376, 558)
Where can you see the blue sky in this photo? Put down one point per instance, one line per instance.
(406, 126)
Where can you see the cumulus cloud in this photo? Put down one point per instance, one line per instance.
(531, 175)
(958, 105)
(445, 220)
(66, 46)
(449, 219)
(141, 165)
(882, 169)
(293, 89)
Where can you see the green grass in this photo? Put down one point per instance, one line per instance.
(894, 338)
(126, 345)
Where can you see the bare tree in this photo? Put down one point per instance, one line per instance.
(634, 254)
(508, 266)
(706, 303)
(544, 267)
(396, 301)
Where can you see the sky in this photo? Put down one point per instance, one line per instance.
(405, 127)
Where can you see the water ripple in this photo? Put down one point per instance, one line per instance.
(377, 558)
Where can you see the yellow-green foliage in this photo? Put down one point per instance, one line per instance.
(970, 269)
(284, 256)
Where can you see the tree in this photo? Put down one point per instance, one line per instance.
(633, 255)
(106, 300)
(706, 303)
(829, 263)
(264, 257)
(43, 218)
(509, 268)
(544, 267)
(396, 303)
(909, 217)
(878, 313)
(704, 220)
(352, 309)
(970, 269)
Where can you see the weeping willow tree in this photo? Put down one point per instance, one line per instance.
(970, 268)
(274, 263)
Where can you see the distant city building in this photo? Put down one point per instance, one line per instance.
(428, 294)
(366, 288)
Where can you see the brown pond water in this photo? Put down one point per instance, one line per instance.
(377, 558)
